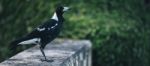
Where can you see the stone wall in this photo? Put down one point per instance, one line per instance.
(62, 52)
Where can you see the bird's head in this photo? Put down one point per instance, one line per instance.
(61, 9)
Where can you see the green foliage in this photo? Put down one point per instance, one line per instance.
(118, 29)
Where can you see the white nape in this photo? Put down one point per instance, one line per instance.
(31, 41)
(55, 17)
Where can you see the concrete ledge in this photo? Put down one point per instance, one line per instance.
(63, 52)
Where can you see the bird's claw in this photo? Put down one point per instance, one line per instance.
(46, 60)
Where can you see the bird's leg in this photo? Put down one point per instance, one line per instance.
(43, 53)
(45, 59)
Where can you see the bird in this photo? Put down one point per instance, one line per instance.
(44, 33)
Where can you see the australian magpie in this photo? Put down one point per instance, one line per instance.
(44, 33)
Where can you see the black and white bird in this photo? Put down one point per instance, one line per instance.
(45, 33)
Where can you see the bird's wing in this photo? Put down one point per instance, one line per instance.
(34, 36)
(48, 26)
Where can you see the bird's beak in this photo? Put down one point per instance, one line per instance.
(66, 9)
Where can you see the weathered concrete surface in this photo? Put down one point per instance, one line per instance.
(59, 50)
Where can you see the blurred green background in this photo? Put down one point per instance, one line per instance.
(118, 29)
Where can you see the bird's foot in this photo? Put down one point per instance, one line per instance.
(46, 60)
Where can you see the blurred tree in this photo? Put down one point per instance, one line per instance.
(119, 29)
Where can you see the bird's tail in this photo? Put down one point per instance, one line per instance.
(14, 44)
